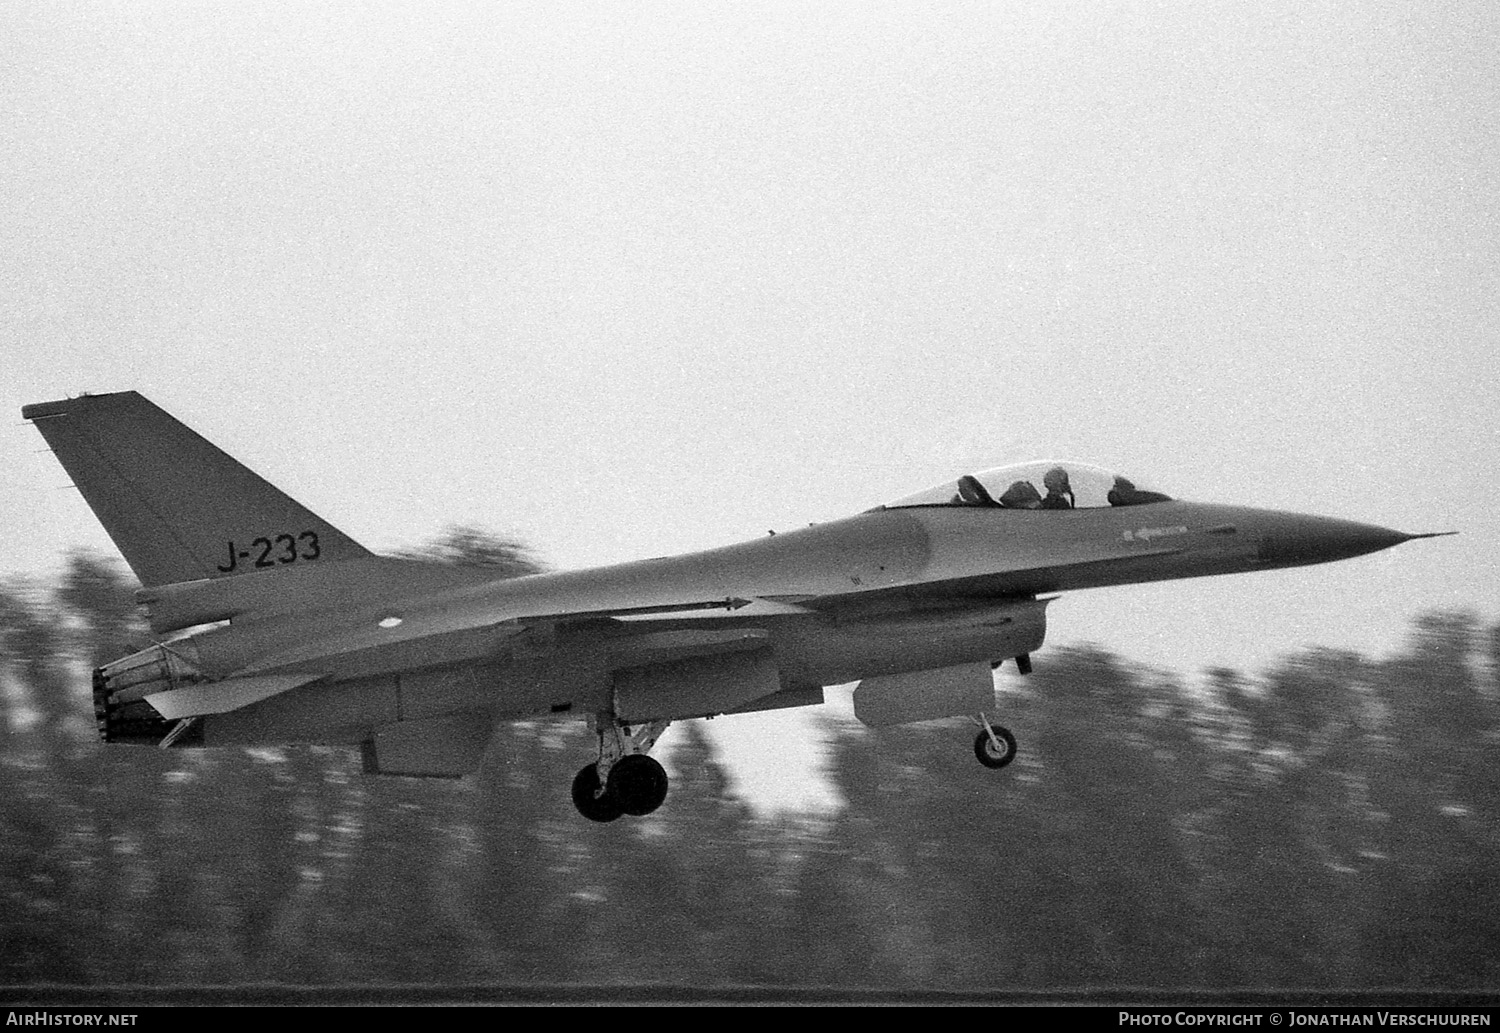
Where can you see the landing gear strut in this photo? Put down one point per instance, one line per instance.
(624, 780)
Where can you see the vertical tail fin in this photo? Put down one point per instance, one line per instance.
(178, 508)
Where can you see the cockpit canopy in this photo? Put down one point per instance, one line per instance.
(1042, 485)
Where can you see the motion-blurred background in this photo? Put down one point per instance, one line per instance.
(624, 280)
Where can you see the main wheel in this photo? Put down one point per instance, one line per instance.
(638, 783)
(595, 808)
(993, 754)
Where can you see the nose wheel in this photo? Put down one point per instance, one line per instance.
(995, 746)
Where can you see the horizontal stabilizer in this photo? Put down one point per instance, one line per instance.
(224, 696)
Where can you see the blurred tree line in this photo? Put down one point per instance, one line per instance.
(1334, 822)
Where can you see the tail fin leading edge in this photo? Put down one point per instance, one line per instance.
(177, 507)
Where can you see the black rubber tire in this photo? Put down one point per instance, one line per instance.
(638, 783)
(984, 749)
(595, 808)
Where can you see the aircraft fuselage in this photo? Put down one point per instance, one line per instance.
(883, 592)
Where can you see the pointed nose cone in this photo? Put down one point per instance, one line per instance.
(1291, 540)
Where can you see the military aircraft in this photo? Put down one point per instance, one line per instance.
(286, 630)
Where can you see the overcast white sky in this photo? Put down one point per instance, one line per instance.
(628, 280)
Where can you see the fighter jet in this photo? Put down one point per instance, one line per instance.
(275, 627)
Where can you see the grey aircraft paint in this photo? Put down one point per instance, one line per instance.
(314, 639)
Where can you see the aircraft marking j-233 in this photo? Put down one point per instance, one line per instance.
(286, 630)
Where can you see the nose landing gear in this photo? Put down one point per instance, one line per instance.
(994, 746)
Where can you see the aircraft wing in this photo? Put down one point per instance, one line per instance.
(395, 626)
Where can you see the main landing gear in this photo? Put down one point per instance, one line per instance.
(624, 780)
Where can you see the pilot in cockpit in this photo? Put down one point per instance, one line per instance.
(1059, 491)
(972, 493)
(1021, 495)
